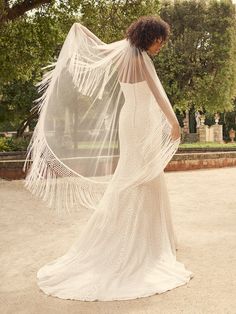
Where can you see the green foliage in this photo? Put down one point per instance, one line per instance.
(30, 42)
(109, 19)
(207, 145)
(13, 144)
(228, 119)
(26, 45)
(16, 102)
(198, 65)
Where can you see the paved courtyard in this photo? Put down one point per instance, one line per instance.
(204, 216)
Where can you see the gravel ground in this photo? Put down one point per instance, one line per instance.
(204, 215)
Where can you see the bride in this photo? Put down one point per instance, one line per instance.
(105, 133)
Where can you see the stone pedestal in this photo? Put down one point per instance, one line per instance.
(212, 133)
(202, 133)
(218, 133)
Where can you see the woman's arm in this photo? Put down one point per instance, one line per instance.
(88, 33)
(161, 99)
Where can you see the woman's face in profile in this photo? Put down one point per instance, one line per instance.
(155, 47)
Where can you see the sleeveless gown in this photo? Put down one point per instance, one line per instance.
(127, 249)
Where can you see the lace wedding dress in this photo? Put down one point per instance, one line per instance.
(127, 249)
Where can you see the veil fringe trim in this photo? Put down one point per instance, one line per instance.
(47, 177)
(57, 185)
(82, 89)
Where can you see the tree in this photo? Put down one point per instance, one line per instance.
(28, 43)
(109, 19)
(198, 65)
(10, 12)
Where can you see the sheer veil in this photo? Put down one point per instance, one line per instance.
(74, 150)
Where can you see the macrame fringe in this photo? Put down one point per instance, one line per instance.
(46, 176)
(54, 182)
(157, 151)
(86, 80)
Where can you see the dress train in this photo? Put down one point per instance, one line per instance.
(127, 249)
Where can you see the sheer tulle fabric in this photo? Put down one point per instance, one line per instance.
(102, 141)
(75, 147)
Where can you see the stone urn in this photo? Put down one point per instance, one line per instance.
(232, 134)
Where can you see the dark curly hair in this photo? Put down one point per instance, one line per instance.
(144, 31)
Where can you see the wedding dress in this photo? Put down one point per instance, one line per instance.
(127, 249)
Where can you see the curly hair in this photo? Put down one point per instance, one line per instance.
(144, 31)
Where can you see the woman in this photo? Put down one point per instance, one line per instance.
(105, 134)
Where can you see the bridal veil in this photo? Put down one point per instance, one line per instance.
(74, 150)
